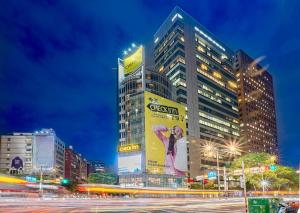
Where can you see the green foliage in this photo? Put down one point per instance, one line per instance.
(196, 186)
(199, 186)
(210, 185)
(252, 160)
(103, 177)
(283, 178)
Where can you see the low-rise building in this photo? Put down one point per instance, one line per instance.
(96, 166)
(75, 166)
(16, 153)
(32, 153)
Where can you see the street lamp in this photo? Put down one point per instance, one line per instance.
(232, 148)
(273, 158)
(264, 183)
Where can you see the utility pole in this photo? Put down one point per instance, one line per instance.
(41, 181)
(244, 186)
(263, 183)
(225, 180)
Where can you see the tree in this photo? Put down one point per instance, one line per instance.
(253, 160)
(103, 177)
(282, 178)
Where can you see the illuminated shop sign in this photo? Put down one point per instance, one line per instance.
(129, 148)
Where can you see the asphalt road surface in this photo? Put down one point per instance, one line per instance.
(57, 205)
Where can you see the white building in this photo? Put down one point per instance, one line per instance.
(29, 153)
(48, 153)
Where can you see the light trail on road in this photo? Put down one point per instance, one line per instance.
(121, 205)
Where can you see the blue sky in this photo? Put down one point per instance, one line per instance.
(57, 60)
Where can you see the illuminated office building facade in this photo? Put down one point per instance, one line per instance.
(136, 83)
(256, 104)
(200, 68)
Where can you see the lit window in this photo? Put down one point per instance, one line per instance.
(224, 56)
(209, 38)
(232, 84)
(161, 68)
(199, 48)
(203, 67)
(217, 75)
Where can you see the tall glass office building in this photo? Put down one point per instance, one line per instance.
(257, 105)
(200, 67)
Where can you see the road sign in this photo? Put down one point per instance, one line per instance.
(31, 179)
(198, 178)
(212, 175)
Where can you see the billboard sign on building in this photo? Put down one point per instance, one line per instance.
(133, 61)
(129, 148)
(16, 166)
(212, 175)
(165, 136)
(130, 164)
(43, 153)
(17, 163)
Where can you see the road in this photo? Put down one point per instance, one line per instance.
(57, 205)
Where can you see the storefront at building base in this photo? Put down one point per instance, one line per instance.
(152, 180)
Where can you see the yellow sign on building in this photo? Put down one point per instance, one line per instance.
(165, 136)
(134, 61)
(129, 148)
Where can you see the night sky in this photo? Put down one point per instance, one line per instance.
(57, 61)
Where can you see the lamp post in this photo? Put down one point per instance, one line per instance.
(218, 170)
(244, 186)
(209, 148)
(41, 181)
(232, 148)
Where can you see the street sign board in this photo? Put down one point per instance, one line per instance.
(198, 178)
(212, 175)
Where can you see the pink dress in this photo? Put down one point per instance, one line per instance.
(170, 159)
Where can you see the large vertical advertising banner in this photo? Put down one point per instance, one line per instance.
(134, 61)
(165, 136)
(43, 153)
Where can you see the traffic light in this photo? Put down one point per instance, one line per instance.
(65, 182)
(273, 167)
